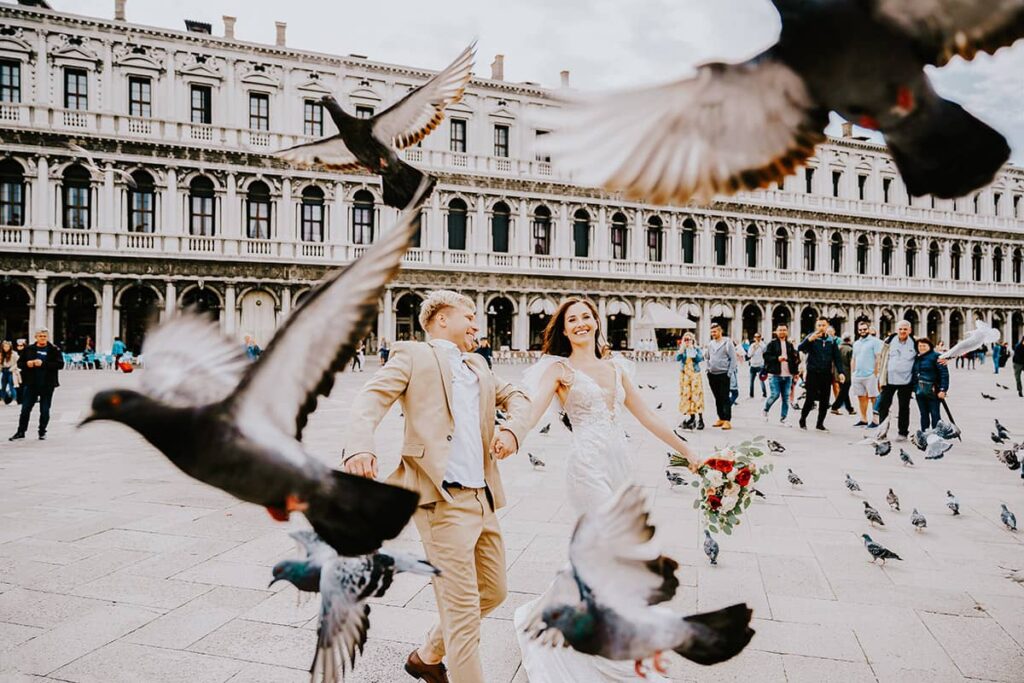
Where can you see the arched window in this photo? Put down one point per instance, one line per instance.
(887, 249)
(542, 231)
(581, 233)
(142, 203)
(688, 241)
(781, 249)
(911, 258)
(934, 251)
(501, 219)
(863, 249)
(751, 238)
(257, 211)
(362, 218)
(836, 252)
(312, 218)
(655, 240)
(77, 198)
(12, 193)
(997, 264)
(1018, 265)
(457, 225)
(619, 233)
(721, 244)
(201, 207)
(977, 256)
(955, 256)
(810, 251)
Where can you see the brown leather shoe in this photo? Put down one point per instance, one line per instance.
(431, 673)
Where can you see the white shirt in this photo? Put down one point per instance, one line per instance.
(466, 457)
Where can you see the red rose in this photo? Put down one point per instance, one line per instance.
(714, 502)
(723, 466)
(743, 477)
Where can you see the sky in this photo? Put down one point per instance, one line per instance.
(603, 43)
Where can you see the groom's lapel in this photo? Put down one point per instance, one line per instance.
(446, 374)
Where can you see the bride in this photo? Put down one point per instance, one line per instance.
(593, 392)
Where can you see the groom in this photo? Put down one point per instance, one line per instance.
(449, 457)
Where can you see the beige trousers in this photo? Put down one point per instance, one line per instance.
(463, 540)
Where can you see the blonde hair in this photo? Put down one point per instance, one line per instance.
(440, 299)
(689, 335)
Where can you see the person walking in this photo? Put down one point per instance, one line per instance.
(843, 397)
(484, 349)
(39, 366)
(252, 349)
(383, 351)
(1018, 364)
(782, 363)
(822, 361)
(691, 383)
(997, 352)
(19, 348)
(721, 359)
(734, 378)
(864, 367)
(895, 374)
(930, 379)
(359, 357)
(117, 350)
(755, 359)
(8, 372)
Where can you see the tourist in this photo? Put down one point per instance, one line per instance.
(997, 352)
(691, 383)
(19, 348)
(39, 365)
(252, 349)
(843, 396)
(822, 360)
(895, 374)
(1018, 364)
(383, 351)
(484, 349)
(930, 379)
(755, 358)
(781, 362)
(721, 359)
(8, 372)
(117, 350)
(864, 366)
(358, 358)
(734, 380)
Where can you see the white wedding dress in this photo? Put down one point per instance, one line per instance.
(598, 465)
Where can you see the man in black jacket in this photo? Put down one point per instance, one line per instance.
(782, 363)
(1018, 364)
(822, 360)
(39, 365)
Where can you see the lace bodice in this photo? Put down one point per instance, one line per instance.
(588, 403)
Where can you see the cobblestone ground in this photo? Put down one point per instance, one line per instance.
(114, 566)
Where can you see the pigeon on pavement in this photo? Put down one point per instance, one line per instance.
(947, 430)
(952, 503)
(674, 479)
(1008, 518)
(893, 500)
(743, 126)
(775, 446)
(600, 605)
(793, 479)
(872, 514)
(238, 425)
(545, 429)
(852, 484)
(883, 449)
(878, 551)
(1008, 458)
(535, 461)
(658, 407)
(1002, 386)
(987, 397)
(710, 547)
(936, 446)
(94, 168)
(982, 334)
(905, 458)
(999, 438)
(1001, 430)
(372, 143)
(918, 520)
(757, 492)
(875, 436)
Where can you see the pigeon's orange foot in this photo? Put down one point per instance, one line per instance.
(638, 667)
(278, 514)
(659, 663)
(295, 504)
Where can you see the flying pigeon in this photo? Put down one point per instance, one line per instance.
(735, 127)
(238, 425)
(983, 332)
(883, 449)
(652, 386)
(893, 500)
(757, 492)
(987, 397)
(936, 446)
(674, 479)
(600, 605)
(94, 168)
(905, 458)
(1001, 430)
(872, 514)
(658, 407)
(546, 428)
(793, 479)
(775, 446)
(878, 551)
(372, 144)
(564, 417)
(1002, 386)
(852, 484)
(947, 430)
(875, 436)
(952, 503)
(918, 520)
(535, 461)
(710, 547)
(344, 584)
(1008, 518)
(1008, 458)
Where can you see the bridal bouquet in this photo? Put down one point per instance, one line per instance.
(725, 482)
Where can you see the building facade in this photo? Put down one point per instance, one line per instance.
(215, 222)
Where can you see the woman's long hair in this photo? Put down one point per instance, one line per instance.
(556, 343)
(6, 351)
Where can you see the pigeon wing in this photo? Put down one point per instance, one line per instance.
(416, 115)
(563, 591)
(190, 363)
(943, 29)
(321, 336)
(330, 153)
(314, 547)
(731, 127)
(982, 334)
(344, 619)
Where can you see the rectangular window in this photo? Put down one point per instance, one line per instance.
(974, 201)
(201, 216)
(141, 212)
(257, 220)
(364, 112)
(689, 243)
(809, 180)
(312, 118)
(312, 222)
(202, 110)
(886, 189)
(140, 96)
(862, 184)
(581, 239)
(837, 179)
(362, 223)
(76, 207)
(259, 111)
(76, 89)
(458, 136)
(542, 236)
(501, 141)
(619, 242)
(543, 158)
(499, 232)
(654, 254)
(12, 202)
(996, 198)
(1016, 207)
(10, 81)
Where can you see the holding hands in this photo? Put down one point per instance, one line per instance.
(503, 444)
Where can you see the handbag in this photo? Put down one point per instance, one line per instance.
(125, 366)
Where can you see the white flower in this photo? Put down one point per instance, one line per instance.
(714, 477)
(729, 502)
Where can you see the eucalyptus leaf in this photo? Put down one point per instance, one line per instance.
(712, 528)
(696, 504)
(727, 530)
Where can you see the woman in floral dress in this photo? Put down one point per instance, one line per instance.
(691, 383)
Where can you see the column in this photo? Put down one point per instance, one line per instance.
(634, 320)
(339, 219)
(481, 315)
(170, 300)
(105, 215)
(479, 233)
(638, 241)
(522, 232)
(601, 238)
(286, 303)
(384, 320)
(41, 211)
(876, 317)
(851, 320)
(766, 322)
(944, 333)
(602, 313)
(171, 226)
(286, 217)
(521, 333)
(737, 316)
(231, 225)
(705, 323)
(229, 313)
(105, 329)
(563, 232)
(41, 307)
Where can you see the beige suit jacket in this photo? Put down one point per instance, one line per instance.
(419, 376)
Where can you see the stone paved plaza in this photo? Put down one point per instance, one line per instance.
(114, 566)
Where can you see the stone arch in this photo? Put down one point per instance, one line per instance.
(119, 293)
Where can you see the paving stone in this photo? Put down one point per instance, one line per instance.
(980, 648)
(141, 590)
(197, 618)
(45, 610)
(129, 663)
(260, 642)
(819, 670)
(809, 640)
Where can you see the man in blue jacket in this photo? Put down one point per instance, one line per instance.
(39, 364)
(823, 362)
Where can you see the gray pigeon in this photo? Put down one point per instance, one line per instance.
(936, 446)
(710, 547)
(1001, 430)
(987, 397)
(652, 386)
(893, 500)
(757, 492)
(535, 461)
(1008, 518)
(545, 429)
(918, 520)
(764, 117)
(793, 479)
(952, 503)
(775, 446)
(238, 425)
(919, 440)
(905, 458)
(600, 604)
(947, 430)
(883, 449)
(658, 407)
(852, 484)
(372, 144)
(999, 438)
(1002, 386)
(564, 417)
(674, 479)
(872, 514)
(878, 551)
(1008, 458)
